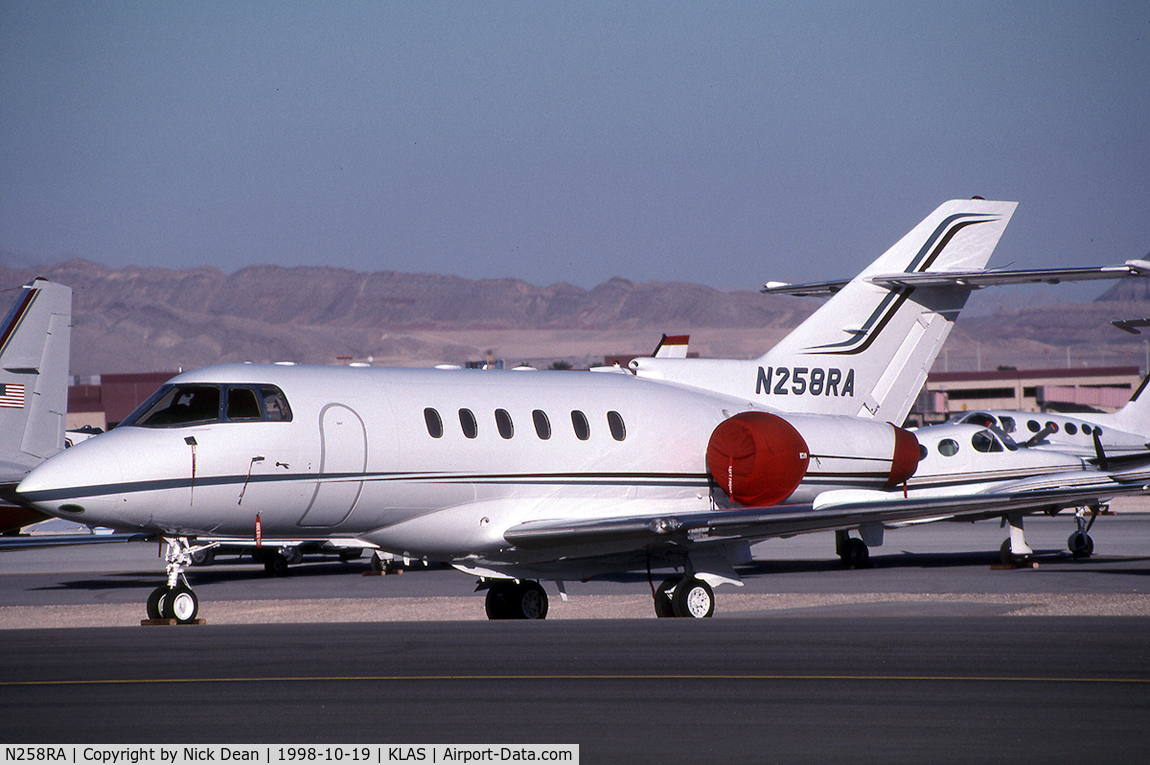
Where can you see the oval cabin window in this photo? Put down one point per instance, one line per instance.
(468, 423)
(542, 424)
(503, 423)
(580, 424)
(615, 423)
(434, 423)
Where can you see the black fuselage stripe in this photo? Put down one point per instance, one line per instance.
(667, 480)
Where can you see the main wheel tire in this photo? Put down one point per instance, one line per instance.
(1008, 558)
(663, 596)
(204, 557)
(155, 603)
(693, 598)
(277, 565)
(530, 601)
(181, 604)
(1080, 544)
(499, 600)
(856, 554)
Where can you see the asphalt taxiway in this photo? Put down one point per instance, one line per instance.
(933, 654)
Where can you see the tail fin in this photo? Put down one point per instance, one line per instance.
(672, 347)
(881, 340)
(1135, 416)
(35, 346)
(867, 350)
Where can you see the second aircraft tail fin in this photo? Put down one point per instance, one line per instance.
(35, 346)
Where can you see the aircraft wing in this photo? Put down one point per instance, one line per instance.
(972, 279)
(29, 541)
(826, 514)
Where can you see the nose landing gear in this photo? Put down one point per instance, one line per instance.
(175, 600)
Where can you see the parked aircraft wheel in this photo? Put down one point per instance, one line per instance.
(663, 595)
(277, 564)
(855, 553)
(204, 557)
(181, 604)
(693, 598)
(1080, 544)
(293, 555)
(499, 603)
(530, 601)
(155, 604)
(1008, 558)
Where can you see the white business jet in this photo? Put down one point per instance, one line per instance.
(522, 476)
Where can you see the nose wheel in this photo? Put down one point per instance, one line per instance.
(1080, 543)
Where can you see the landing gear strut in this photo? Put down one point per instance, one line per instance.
(1014, 551)
(175, 600)
(1080, 543)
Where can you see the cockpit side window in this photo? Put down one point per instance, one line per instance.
(984, 441)
(243, 404)
(276, 406)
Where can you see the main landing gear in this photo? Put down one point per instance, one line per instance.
(688, 596)
(175, 600)
(851, 550)
(1015, 551)
(516, 599)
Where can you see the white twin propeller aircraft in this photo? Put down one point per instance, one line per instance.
(523, 476)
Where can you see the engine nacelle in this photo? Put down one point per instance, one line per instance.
(761, 459)
(757, 457)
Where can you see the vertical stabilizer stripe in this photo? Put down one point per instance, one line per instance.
(15, 318)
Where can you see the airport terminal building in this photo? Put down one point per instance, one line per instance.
(1028, 390)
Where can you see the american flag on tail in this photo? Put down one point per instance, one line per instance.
(11, 396)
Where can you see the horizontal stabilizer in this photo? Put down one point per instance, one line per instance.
(971, 279)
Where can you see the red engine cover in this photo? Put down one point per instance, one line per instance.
(906, 457)
(758, 458)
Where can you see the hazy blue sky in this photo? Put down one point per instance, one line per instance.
(724, 143)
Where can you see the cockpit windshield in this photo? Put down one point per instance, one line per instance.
(201, 403)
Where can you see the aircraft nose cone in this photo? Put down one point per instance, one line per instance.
(66, 484)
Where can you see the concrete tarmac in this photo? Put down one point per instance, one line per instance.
(933, 654)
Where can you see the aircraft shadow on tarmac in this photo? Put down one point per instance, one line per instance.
(894, 560)
(217, 573)
(243, 569)
(908, 559)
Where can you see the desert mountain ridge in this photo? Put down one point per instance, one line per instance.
(137, 319)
